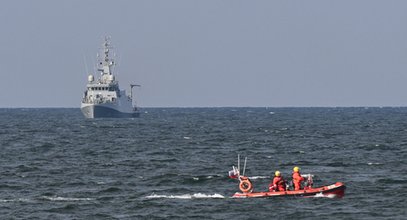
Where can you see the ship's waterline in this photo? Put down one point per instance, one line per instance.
(98, 111)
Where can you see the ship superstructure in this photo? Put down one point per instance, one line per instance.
(103, 97)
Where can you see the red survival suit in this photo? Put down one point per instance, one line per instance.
(297, 179)
(278, 184)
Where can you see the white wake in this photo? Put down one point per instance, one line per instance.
(187, 196)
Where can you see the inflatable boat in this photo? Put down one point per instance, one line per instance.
(335, 190)
(245, 185)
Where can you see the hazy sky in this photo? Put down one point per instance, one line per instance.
(209, 52)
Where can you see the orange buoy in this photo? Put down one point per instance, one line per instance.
(245, 186)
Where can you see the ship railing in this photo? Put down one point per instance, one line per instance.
(97, 101)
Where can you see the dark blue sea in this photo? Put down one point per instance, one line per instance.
(173, 163)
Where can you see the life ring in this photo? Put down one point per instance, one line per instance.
(245, 186)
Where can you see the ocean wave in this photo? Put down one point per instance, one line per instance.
(370, 163)
(202, 177)
(205, 177)
(15, 200)
(187, 196)
(59, 198)
(320, 195)
(110, 189)
(259, 177)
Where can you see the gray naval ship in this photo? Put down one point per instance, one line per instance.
(103, 97)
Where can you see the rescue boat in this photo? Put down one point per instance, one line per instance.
(336, 190)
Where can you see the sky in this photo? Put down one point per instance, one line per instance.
(208, 53)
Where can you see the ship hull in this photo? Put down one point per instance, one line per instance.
(335, 190)
(100, 111)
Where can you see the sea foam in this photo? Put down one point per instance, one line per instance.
(187, 196)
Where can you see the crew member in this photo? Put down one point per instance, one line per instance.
(278, 183)
(297, 178)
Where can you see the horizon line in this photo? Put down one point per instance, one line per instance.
(361, 106)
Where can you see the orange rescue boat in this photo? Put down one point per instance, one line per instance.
(335, 190)
(245, 185)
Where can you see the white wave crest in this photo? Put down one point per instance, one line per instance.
(58, 198)
(197, 178)
(319, 195)
(187, 196)
(15, 200)
(374, 164)
(259, 177)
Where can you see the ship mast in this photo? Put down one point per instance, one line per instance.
(106, 63)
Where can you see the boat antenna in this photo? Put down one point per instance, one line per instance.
(244, 168)
(238, 163)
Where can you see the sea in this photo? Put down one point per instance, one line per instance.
(173, 163)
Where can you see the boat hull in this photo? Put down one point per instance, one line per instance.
(97, 111)
(335, 190)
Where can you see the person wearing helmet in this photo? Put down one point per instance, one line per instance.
(278, 183)
(297, 178)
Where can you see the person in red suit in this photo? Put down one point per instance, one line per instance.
(278, 183)
(297, 178)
